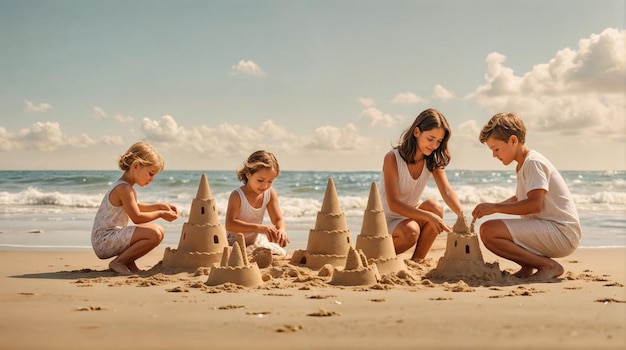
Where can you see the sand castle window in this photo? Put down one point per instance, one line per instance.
(467, 249)
(455, 244)
(202, 210)
(216, 240)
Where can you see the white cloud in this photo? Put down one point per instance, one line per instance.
(99, 113)
(166, 130)
(247, 68)
(366, 101)
(30, 106)
(442, 93)
(123, 118)
(408, 98)
(42, 137)
(467, 133)
(112, 140)
(224, 140)
(378, 118)
(338, 139)
(579, 91)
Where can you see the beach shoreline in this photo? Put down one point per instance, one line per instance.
(68, 300)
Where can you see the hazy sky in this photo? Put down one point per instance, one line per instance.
(325, 85)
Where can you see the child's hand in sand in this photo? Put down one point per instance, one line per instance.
(283, 240)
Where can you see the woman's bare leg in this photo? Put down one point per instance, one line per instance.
(428, 233)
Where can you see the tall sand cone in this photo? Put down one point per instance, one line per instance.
(330, 238)
(331, 202)
(357, 271)
(374, 240)
(202, 239)
(236, 270)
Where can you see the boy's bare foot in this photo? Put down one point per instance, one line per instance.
(133, 267)
(546, 273)
(524, 272)
(120, 268)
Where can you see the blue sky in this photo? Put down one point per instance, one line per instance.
(325, 85)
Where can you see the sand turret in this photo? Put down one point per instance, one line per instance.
(357, 271)
(330, 239)
(463, 258)
(235, 267)
(375, 240)
(202, 239)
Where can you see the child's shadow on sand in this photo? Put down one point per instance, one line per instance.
(84, 273)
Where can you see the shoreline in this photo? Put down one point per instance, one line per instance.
(49, 293)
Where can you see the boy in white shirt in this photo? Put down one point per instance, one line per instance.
(549, 226)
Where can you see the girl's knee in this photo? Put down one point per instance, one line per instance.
(159, 234)
(433, 206)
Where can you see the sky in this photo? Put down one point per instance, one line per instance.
(324, 85)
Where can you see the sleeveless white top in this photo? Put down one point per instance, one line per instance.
(250, 214)
(410, 189)
(108, 216)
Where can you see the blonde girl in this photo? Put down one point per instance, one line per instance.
(111, 234)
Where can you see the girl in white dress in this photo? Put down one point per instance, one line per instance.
(111, 234)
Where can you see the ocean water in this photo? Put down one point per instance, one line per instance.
(55, 209)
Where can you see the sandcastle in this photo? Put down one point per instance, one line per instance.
(330, 239)
(235, 267)
(463, 258)
(203, 239)
(356, 272)
(374, 239)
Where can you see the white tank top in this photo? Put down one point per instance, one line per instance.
(250, 214)
(410, 189)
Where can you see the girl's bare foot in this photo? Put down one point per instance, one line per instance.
(133, 267)
(524, 272)
(546, 273)
(120, 268)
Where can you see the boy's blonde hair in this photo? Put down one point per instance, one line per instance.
(144, 154)
(502, 126)
(257, 161)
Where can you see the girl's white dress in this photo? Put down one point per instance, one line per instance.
(111, 234)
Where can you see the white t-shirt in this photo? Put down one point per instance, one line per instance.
(558, 206)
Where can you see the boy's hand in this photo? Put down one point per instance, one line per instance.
(483, 209)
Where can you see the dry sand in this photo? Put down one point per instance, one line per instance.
(68, 300)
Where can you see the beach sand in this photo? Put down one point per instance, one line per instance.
(68, 300)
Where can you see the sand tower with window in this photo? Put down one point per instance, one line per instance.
(374, 240)
(330, 239)
(463, 258)
(203, 239)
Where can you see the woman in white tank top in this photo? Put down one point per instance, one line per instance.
(421, 152)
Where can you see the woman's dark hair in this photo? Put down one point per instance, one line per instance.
(427, 120)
